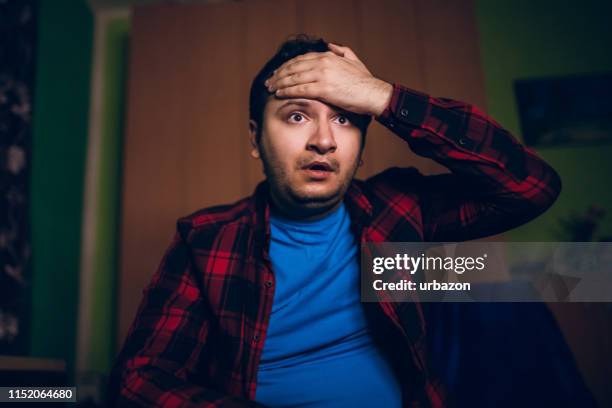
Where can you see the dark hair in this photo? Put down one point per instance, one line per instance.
(297, 45)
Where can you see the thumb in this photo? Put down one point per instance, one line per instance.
(343, 51)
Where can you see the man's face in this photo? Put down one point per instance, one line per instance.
(310, 152)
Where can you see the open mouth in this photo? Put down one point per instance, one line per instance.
(319, 166)
(318, 170)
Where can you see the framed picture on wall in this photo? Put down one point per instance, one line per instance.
(571, 110)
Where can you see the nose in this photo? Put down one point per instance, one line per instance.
(322, 139)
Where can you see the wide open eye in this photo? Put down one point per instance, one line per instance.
(343, 120)
(296, 117)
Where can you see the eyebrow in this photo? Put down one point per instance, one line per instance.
(297, 102)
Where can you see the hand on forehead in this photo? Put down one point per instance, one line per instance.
(335, 77)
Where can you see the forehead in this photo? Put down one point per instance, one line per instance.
(275, 104)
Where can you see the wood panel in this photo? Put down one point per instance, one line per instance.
(392, 51)
(213, 66)
(450, 50)
(152, 165)
(336, 21)
(183, 131)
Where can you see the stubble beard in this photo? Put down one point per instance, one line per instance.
(291, 201)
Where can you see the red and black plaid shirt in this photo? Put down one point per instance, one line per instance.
(199, 332)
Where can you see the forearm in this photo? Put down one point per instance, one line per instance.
(460, 136)
(493, 176)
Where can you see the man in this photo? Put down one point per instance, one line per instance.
(257, 303)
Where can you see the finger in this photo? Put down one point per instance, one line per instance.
(299, 58)
(345, 51)
(307, 56)
(311, 56)
(297, 67)
(310, 91)
(298, 78)
(336, 49)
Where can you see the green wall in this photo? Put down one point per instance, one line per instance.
(109, 193)
(61, 109)
(534, 39)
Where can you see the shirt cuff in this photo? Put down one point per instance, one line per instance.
(406, 107)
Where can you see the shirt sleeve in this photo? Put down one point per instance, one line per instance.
(156, 365)
(495, 183)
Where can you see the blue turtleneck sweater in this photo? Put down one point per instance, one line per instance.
(318, 350)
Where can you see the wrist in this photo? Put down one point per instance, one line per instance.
(382, 97)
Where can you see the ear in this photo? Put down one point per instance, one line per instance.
(253, 138)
